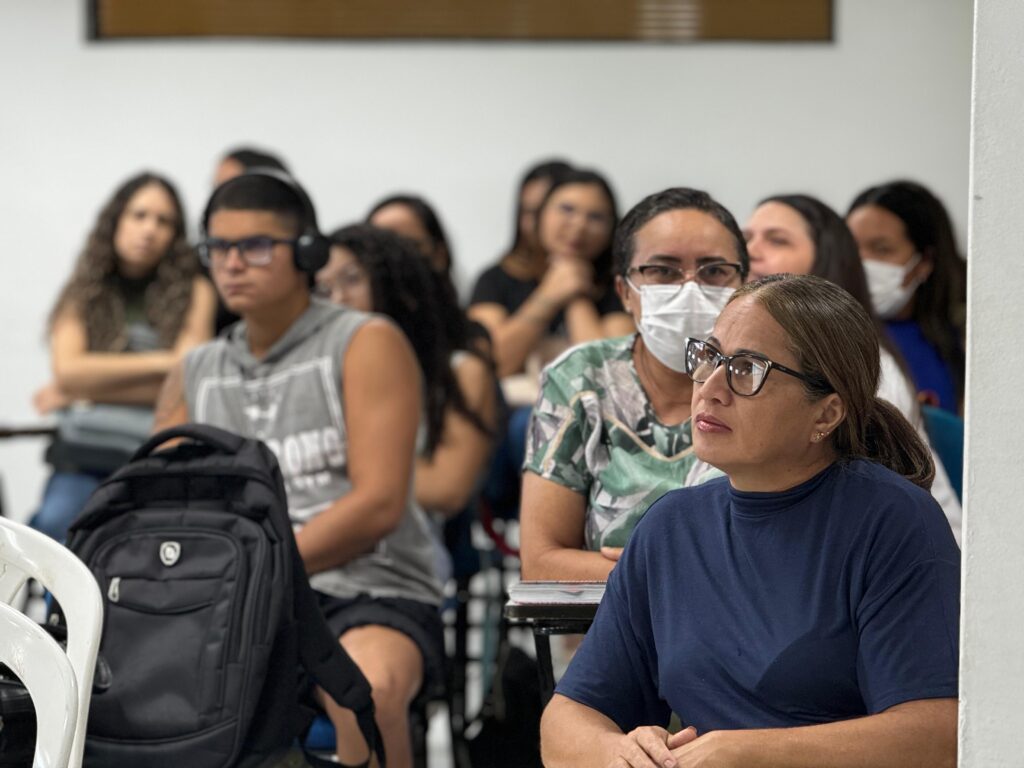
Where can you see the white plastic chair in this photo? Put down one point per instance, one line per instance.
(44, 670)
(28, 554)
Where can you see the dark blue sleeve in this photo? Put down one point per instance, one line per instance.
(615, 669)
(908, 617)
(926, 366)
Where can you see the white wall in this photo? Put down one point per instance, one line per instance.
(456, 122)
(991, 658)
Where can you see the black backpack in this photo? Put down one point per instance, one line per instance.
(211, 631)
(17, 722)
(509, 735)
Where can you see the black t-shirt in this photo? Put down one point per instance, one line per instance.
(496, 286)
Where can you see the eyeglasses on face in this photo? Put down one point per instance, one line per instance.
(745, 373)
(340, 285)
(719, 274)
(256, 251)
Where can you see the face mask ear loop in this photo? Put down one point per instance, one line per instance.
(911, 265)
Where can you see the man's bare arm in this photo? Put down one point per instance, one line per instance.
(171, 408)
(381, 392)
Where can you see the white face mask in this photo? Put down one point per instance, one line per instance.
(885, 283)
(670, 314)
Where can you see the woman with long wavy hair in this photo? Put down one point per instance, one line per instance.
(133, 306)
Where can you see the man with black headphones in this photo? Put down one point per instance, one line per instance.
(335, 394)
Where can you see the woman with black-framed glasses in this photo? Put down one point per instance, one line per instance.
(798, 234)
(745, 372)
(611, 431)
(804, 609)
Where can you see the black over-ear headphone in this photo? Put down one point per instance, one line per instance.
(312, 250)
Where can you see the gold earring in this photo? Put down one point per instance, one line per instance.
(820, 436)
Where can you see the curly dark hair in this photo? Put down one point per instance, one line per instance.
(427, 216)
(407, 290)
(95, 289)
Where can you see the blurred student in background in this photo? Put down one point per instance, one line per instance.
(918, 283)
(133, 306)
(538, 301)
(415, 219)
(237, 161)
(374, 270)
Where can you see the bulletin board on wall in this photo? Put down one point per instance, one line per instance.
(494, 20)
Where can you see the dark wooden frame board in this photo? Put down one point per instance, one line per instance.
(492, 20)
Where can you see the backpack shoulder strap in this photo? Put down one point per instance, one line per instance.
(332, 669)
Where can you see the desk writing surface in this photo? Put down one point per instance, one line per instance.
(552, 608)
(42, 429)
(552, 601)
(547, 612)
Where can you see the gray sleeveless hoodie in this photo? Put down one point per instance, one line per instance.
(291, 400)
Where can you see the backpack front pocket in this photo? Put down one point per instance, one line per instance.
(172, 604)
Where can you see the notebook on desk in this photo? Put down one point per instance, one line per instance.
(554, 606)
(556, 592)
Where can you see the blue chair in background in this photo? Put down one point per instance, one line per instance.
(946, 433)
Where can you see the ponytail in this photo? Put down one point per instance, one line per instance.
(834, 340)
(889, 439)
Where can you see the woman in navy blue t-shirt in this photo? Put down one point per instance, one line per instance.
(802, 610)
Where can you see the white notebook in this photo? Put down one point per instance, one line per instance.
(556, 592)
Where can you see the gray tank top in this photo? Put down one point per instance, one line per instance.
(291, 399)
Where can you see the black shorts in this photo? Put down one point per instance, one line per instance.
(420, 622)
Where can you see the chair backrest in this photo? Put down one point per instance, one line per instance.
(28, 554)
(45, 671)
(946, 433)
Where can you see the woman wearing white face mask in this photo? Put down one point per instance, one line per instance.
(917, 282)
(610, 432)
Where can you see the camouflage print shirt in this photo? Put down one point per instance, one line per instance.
(594, 431)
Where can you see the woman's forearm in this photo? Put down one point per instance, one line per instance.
(90, 375)
(133, 394)
(565, 564)
(915, 734)
(445, 482)
(520, 333)
(583, 321)
(573, 735)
